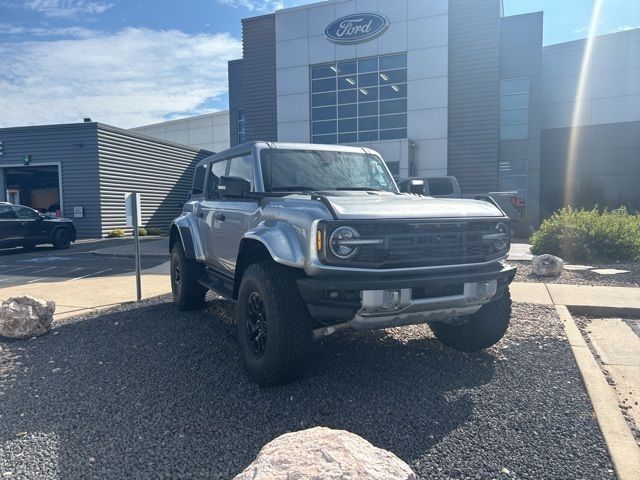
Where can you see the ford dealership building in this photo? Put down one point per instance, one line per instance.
(447, 87)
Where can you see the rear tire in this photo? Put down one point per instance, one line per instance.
(187, 292)
(275, 332)
(483, 329)
(61, 239)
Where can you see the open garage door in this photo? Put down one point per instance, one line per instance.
(34, 186)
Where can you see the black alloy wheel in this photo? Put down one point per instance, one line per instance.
(256, 324)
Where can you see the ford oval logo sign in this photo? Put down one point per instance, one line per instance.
(357, 28)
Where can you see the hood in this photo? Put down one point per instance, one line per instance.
(58, 220)
(365, 206)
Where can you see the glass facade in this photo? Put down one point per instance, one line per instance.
(359, 100)
(514, 109)
(241, 128)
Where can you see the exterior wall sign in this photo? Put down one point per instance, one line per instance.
(356, 28)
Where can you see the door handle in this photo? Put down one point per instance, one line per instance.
(219, 216)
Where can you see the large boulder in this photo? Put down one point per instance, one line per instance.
(547, 266)
(26, 317)
(324, 453)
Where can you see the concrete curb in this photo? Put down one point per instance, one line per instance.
(622, 446)
(129, 255)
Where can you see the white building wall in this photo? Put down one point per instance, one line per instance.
(209, 132)
(418, 27)
(611, 91)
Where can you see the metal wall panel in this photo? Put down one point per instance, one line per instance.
(259, 77)
(236, 97)
(73, 146)
(160, 171)
(474, 93)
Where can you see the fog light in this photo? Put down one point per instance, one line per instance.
(333, 295)
(390, 299)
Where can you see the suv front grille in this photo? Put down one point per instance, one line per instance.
(418, 244)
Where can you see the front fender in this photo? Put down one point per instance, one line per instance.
(187, 227)
(284, 243)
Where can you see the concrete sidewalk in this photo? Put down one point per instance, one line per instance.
(151, 247)
(598, 300)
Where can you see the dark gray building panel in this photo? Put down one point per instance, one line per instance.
(160, 171)
(474, 72)
(259, 77)
(606, 170)
(521, 57)
(72, 146)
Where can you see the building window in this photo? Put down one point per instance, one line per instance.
(359, 100)
(514, 109)
(241, 130)
(512, 177)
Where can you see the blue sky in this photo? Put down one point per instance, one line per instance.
(135, 62)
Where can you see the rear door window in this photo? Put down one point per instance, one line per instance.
(24, 213)
(7, 213)
(242, 167)
(440, 186)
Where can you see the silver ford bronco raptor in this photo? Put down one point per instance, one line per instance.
(309, 239)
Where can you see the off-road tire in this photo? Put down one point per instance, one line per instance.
(61, 238)
(483, 329)
(188, 293)
(289, 333)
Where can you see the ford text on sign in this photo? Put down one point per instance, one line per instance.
(357, 28)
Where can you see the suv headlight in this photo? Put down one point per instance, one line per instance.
(502, 235)
(340, 242)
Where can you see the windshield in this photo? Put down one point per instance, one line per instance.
(308, 170)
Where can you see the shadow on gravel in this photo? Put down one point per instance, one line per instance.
(154, 390)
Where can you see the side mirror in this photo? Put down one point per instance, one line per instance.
(234, 187)
(416, 187)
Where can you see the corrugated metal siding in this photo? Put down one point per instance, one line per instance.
(474, 93)
(236, 97)
(75, 147)
(259, 77)
(160, 171)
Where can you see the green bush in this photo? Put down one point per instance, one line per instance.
(589, 235)
(142, 232)
(117, 233)
(154, 231)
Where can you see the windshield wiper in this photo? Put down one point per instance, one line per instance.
(359, 189)
(295, 188)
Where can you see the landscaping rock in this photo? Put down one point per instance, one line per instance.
(25, 317)
(547, 266)
(325, 453)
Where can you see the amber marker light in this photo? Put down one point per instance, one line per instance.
(319, 241)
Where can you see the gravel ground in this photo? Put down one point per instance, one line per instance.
(631, 279)
(147, 392)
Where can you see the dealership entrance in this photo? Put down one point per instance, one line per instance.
(36, 186)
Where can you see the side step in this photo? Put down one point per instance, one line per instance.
(218, 284)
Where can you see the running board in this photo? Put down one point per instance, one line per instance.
(217, 284)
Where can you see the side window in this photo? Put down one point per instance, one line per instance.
(7, 213)
(26, 213)
(198, 180)
(217, 170)
(242, 167)
(441, 186)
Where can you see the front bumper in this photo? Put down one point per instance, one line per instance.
(359, 301)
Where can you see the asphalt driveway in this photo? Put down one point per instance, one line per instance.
(147, 392)
(45, 264)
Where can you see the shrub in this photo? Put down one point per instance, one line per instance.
(588, 235)
(117, 233)
(142, 232)
(154, 231)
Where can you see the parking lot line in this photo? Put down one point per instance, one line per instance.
(44, 269)
(90, 274)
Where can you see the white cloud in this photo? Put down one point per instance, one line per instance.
(129, 78)
(624, 28)
(77, 32)
(66, 8)
(264, 5)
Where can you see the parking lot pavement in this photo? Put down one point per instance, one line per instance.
(147, 392)
(45, 264)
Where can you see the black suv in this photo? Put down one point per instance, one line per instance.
(25, 227)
